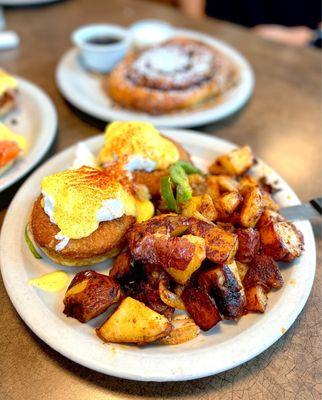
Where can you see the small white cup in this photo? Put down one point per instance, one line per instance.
(150, 32)
(101, 57)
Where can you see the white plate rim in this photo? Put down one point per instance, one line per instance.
(48, 114)
(201, 363)
(179, 120)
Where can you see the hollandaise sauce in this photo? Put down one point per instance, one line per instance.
(52, 282)
(140, 145)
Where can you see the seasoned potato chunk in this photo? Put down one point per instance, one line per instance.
(263, 271)
(281, 240)
(134, 322)
(256, 299)
(237, 162)
(224, 285)
(226, 183)
(252, 208)
(182, 276)
(269, 216)
(212, 187)
(269, 203)
(242, 269)
(228, 203)
(200, 307)
(121, 266)
(89, 295)
(246, 183)
(200, 205)
(221, 245)
(197, 183)
(248, 244)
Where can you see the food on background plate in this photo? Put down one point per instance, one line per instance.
(8, 92)
(12, 146)
(210, 251)
(145, 152)
(177, 74)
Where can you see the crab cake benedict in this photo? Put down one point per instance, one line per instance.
(146, 153)
(82, 215)
(8, 92)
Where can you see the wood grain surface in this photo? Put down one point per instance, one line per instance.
(281, 123)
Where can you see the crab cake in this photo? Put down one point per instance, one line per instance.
(82, 215)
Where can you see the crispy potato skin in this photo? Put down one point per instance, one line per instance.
(223, 286)
(163, 250)
(200, 307)
(281, 240)
(99, 293)
(263, 271)
(108, 237)
(248, 244)
(221, 245)
(121, 266)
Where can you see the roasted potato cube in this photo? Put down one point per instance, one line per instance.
(248, 244)
(200, 307)
(182, 276)
(242, 269)
(89, 295)
(269, 203)
(268, 216)
(121, 266)
(227, 183)
(228, 202)
(198, 184)
(200, 204)
(246, 183)
(252, 208)
(212, 187)
(225, 286)
(256, 299)
(221, 246)
(263, 271)
(134, 322)
(237, 162)
(281, 240)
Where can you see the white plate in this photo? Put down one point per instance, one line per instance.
(84, 90)
(36, 119)
(225, 346)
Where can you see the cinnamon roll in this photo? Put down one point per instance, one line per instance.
(177, 74)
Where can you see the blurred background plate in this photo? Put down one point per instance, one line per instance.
(36, 119)
(83, 90)
(225, 346)
(25, 2)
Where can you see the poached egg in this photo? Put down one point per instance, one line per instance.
(139, 145)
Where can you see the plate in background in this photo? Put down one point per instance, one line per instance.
(83, 90)
(36, 119)
(225, 346)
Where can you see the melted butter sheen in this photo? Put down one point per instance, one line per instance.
(125, 139)
(52, 282)
(79, 194)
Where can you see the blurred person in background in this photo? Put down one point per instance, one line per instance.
(294, 22)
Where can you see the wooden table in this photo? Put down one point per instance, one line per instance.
(281, 123)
